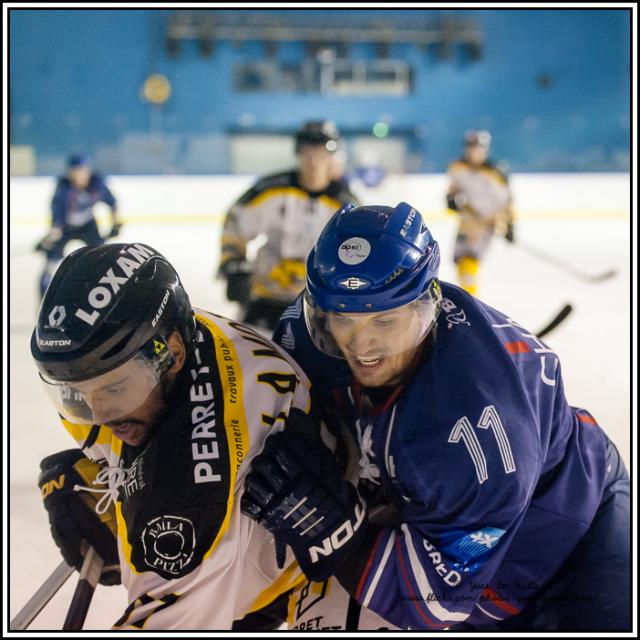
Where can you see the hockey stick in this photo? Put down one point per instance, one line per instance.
(564, 266)
(89, 575)
(564, 312)
(41, 597)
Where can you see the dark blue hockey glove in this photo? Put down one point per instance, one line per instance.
(296, 490)
(72, 515)
(115, 230)
(50, 240)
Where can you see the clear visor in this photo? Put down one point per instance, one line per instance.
(373, 335)
(111, 396)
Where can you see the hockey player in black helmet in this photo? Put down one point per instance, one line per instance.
(156, 396)
(291, 208)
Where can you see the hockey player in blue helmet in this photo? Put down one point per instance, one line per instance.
(72, 216)
(490, 502)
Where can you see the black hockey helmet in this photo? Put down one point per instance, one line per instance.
(104, 306)
(320, 132)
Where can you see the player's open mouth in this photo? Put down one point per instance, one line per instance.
(122, 429)
(368, 362)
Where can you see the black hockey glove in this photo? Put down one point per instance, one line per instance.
(115, 230)
(296, 490)
(238, 275)
(72, 514)
(509, 234)
(49, 241)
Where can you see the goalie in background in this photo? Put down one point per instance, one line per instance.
(72, 216)
(479, 192)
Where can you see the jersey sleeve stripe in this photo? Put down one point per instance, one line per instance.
(376, 577)
(415, 599)
(423, 582)
(486, 613)
(491, 597)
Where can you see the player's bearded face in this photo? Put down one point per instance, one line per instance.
(118, 390)
(130, 400)
(379, 347)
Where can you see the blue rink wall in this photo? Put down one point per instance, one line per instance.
(552, 85)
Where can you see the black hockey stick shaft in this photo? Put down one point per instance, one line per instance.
(41, 597)
(564, 266)
(563, 313)
(89, 577)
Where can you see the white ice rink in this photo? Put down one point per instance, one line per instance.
(584, 220)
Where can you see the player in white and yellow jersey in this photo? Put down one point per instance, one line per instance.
(168, 406)
(291, 209)
(479, 191)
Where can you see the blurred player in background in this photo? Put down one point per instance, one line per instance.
(291, 208)
(480, 193)
(72, 216)
(167, 405)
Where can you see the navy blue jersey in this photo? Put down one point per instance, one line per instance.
(494, 477)
(73, 206)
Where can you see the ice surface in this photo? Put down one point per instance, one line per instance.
(593, 344)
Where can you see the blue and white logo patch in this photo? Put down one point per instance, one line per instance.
(477, 543)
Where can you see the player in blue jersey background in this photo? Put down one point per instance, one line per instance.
(479, 498)
(72, 216)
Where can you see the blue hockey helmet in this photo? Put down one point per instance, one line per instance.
(78, 160)
(368, 260)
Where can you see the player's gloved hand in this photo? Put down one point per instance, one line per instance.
(115, 230)
(296, 490)
(509, 235)
(72, 514)
(238, 275)
(48, 242)
(456, 201)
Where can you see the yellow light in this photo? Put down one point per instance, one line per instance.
(156, 88)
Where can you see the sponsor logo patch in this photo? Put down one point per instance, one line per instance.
(169, 543)
(354, 250)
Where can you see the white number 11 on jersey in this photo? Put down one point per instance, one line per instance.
(462, 430)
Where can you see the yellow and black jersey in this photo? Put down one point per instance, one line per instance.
(485, 188)
(291, 218)
(189, 558)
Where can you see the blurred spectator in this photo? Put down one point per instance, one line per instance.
(291, 208)
(479, 191)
